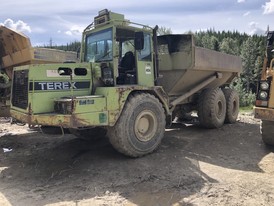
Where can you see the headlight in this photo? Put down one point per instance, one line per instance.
(263, 95)
(264, 86)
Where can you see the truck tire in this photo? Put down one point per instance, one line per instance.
(232, 105)
(267, 132)
(140, 127)
(90, 134)
(212, 108)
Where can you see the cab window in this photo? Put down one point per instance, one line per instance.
(145, 54)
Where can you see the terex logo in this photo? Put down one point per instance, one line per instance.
(59, 85)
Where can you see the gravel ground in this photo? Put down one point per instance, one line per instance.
(193, 166)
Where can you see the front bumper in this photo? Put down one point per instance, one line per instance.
(264, 113)
(63, 120)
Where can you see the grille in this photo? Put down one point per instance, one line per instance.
(20, 89)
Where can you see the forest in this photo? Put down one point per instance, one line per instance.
(251, 49)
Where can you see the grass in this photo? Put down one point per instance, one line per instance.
(246, 109)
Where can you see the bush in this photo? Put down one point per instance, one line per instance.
(246, 98)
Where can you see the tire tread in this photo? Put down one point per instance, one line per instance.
(206, 106)
(231, 95)
(115, 133)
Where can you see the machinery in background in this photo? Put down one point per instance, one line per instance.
(16, 50)
(264, 107)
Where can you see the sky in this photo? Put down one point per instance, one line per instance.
(62, 21)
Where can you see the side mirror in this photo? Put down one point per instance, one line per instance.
(139, 40)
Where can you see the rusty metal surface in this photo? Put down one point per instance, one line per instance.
(117, 97)
(53, 119)
(264, 113)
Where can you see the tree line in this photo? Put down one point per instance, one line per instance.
(251, 49)
(72, 46)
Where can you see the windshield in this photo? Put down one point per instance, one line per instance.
(99, 46)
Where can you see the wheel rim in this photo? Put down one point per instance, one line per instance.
(145, 126)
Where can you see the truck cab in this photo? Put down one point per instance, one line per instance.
(123, 50)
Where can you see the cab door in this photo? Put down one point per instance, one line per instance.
(144, 63)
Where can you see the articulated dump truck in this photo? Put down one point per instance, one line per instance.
(264, 107)
(130, 84)
(16, 50)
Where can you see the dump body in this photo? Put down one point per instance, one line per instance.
(182, 65)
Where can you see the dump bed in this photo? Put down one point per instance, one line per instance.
(182, 66)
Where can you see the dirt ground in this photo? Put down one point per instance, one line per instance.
(193, 166)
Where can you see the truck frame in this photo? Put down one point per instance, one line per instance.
(129, 83)
(264, 106)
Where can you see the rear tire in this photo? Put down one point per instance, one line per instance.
(232, 105)
(212, 108)
(140, 127)
(267, 132)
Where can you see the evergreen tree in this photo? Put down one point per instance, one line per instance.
(230, 46)
(73, 46)
(249, 56)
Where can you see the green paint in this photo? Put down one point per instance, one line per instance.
(57, 94)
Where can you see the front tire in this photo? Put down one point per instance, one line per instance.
(267, 132)
(140, 127)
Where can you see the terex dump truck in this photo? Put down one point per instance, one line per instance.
(129, 82)
(15, 50)
(264, 108)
